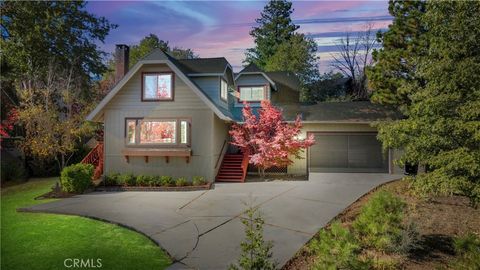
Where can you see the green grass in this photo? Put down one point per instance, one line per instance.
(44, 241)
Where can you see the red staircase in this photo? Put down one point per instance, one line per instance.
(233, 168)
(95, 157)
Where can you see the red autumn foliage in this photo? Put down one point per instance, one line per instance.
(268, 139)
(7, 125)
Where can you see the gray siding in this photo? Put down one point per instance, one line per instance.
(220, 135)
(127, 103)
(211, 87)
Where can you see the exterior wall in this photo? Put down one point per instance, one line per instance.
(220, 135)
(299, 167)
(127, 103)
(211, 87)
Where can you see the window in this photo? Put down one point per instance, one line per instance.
(157, 132)
(223, 90)
(154, 131)
(131, 123)
(157, 86)
(183, 132)
(252, 93)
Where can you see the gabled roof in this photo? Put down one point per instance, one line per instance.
(254, 69)
(251, 68)
(204, 65)
(157, 56)
(285, 79)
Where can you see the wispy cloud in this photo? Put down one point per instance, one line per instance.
(221, 28)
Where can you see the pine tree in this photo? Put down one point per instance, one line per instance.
(275, 26)
(256, 252)
(442, 125)
(396, 61)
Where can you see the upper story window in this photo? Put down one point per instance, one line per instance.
(173, 132)
(157, 86)
(223, 89)
(252, 93)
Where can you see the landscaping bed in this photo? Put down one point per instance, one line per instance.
(442, 223)
(129, 182)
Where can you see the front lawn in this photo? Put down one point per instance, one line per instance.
(44, 241)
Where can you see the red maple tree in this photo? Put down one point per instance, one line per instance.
(267, 138)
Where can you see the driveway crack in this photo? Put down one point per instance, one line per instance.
(192, 200)
(243, 212)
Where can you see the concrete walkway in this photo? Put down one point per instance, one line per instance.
(202, 229)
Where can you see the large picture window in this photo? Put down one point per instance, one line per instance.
(223, 90)
(252, 93)
(157, 86)
(173, 132)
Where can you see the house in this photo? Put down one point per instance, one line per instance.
(167, 116)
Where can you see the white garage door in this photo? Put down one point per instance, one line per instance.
(347, 152)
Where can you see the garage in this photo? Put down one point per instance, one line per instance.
(347, 152)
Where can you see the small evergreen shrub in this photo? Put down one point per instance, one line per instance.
(336, 248)
(144, 180)
(198, 181)
(156, 181)
(379, 224)
(127, 179)
(467, 249)
(76, 178)
(112, 179)
(256, 252)
(181, 182)
(167, 181)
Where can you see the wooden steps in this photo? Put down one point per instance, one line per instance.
(233, 168)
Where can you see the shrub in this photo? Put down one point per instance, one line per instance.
(409, 239)
(76, 178)
(112, 179)
(167, 181)
(156, 181)
(12, 170)
(379, 224)
(181, 182)
(198, 181)
(336, 248)
(256, 252)
(144, 180)
(467, 249)
(127, 179)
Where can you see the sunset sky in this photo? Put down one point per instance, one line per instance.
(220, 28)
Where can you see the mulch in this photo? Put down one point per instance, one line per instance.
(438, 220)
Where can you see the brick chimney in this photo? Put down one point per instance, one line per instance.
(122, 55)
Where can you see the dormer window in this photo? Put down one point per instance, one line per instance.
(157, 86)
(223, 90)
(252, 93)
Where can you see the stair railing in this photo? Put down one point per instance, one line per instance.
(95, 157)
(244, 165)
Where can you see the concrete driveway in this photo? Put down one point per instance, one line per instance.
(202, 229)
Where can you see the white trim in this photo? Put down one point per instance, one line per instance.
(258, 73)
(93, 116)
